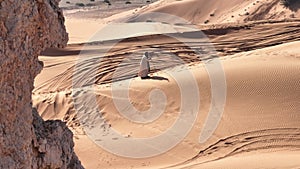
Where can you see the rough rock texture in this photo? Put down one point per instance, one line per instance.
(53, 144)
(27, 27)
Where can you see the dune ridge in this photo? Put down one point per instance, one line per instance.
(214, 12)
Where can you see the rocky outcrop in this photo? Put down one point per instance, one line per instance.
(27, 27)
(53, 144)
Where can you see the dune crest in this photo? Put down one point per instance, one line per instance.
(216, 12)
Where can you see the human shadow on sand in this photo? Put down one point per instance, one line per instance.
(156, 78)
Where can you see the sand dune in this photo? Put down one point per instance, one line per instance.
(204, 12)
(266, 120)
(260, 113)
(228, 40)
(259, 127)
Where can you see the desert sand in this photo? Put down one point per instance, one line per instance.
(257, 45)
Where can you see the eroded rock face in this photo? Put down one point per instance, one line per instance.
(53, 145)
(27, 27)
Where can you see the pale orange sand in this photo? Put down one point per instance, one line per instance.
(259, 127)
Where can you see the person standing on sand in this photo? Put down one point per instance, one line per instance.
(144, 66)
